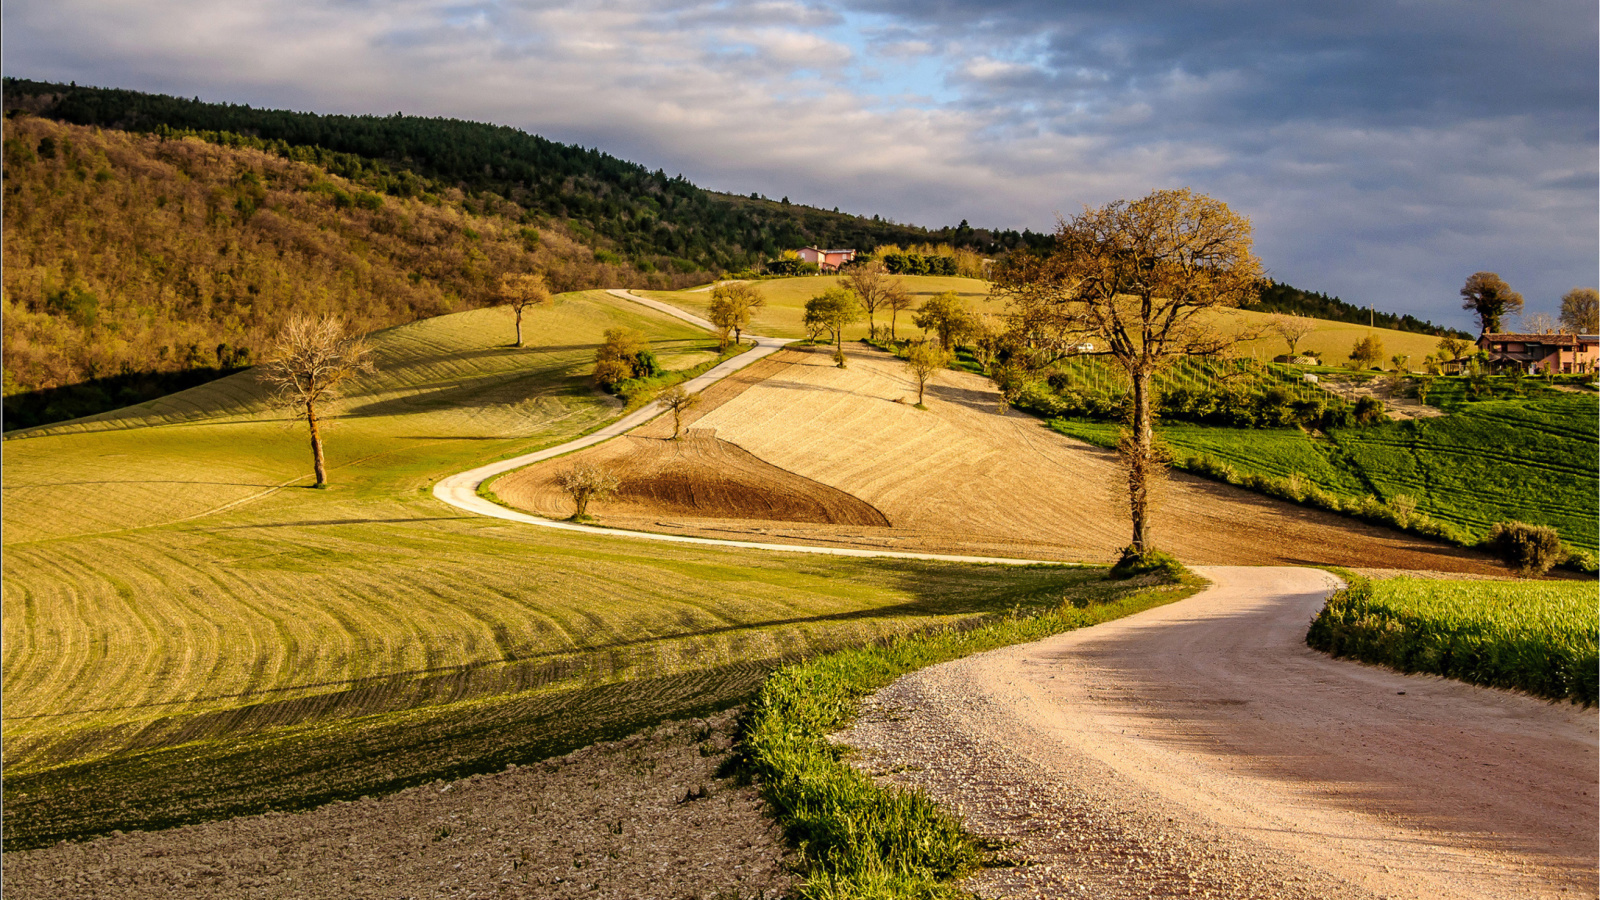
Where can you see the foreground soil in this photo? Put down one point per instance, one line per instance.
(796, 450)
(610, 820)
(1201, 749)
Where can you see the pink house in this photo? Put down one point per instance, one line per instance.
(828, 260)
(1558, 354)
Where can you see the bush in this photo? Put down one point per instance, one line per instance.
(1151, 562)
(1528, 549)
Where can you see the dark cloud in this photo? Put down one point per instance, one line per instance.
(1384, 150)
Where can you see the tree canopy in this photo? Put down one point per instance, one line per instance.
(1490, 298)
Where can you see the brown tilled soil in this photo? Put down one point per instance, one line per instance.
(610, 820)
(796, 450)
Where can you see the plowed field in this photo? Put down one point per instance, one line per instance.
(964, 476)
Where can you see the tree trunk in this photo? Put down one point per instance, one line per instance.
(922, 384)
(316, 444)
(582, 499)
(1140, 459)
(838, 346)
(738, 335)
(519, 326)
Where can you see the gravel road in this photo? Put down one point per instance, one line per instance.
(1201, 749)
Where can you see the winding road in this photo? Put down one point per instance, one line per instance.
(461, 490)
(1201, 749)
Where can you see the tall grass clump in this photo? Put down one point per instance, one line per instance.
(1538, 637)
(854, 837)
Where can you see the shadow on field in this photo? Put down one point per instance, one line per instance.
(380, 734)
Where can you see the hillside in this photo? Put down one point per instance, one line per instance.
(655, 221)
(190, 632)
(132, 262)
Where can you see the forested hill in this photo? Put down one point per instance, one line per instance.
(653, 221)
(1276, 297)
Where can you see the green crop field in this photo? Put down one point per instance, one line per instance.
(1534, 461)
(784, 314)
(192, 632)
(1536, 637)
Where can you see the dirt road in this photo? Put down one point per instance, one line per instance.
(1202, 749)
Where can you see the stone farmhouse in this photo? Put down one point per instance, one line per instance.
(827, 260)
(1555, 354)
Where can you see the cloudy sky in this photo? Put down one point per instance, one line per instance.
(1384, 150)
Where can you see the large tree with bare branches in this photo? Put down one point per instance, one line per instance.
(871, 283)
(309, 360)
(1140, 277)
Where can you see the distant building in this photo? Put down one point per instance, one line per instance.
(1557, 354)
(827, 260)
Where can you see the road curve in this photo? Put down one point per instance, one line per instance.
(1202, 749)
(461, 490)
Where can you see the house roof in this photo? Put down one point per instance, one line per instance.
(1563, 340)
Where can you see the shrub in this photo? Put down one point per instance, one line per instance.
(1151, 562)
(1369, 411)
(1528, 549)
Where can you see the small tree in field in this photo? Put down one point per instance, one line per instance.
(831, 311)
(870, 282)
(1139, 277)
(520, 292)
(897, 299)
(732, 304)
(309, 360)
(1367, 352)
(925, 359)
(1452, 348)
(1292, 329)
(585, 482)
(946, 316)
(680, 401)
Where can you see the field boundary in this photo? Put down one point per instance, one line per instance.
(461, 490)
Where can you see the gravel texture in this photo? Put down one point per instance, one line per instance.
(610, 820)
(1201, 749)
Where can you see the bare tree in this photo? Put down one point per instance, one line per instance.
(1487, 295)
(522, 291)
(1140, 277)
(679, 401)
(1537, 323)
(585, 482)
(897, 299)
(925, 359)
(1580, 311)
(731, 306)
(1292, 328)
(309, 360)
(870, 281)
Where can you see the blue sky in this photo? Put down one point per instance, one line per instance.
(1384, 150)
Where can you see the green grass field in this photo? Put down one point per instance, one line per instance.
(1534, 461)
(1534, 637)
(191, 632)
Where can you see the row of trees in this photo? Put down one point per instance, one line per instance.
(1489, 298)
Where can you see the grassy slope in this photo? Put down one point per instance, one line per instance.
(169, 657)
(1530, 460)
(786, 300)
(784, 314)
(1536, 637)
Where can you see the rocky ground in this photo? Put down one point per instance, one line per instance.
(646, 816)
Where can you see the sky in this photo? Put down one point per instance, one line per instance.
(1384, 151)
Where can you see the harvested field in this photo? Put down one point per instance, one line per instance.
(968, 477)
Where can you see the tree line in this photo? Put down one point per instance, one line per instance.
(655, 221)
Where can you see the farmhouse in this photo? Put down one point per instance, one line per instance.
(1558, 354)
(828, 260)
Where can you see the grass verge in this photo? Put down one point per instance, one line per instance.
(1538, 637)
(859, 839)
